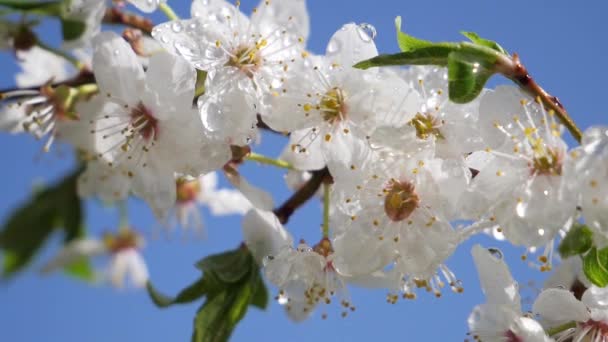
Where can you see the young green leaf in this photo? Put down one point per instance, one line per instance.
(578, 241)
(229, 266)
(72, 29)
(203, 286)
(260, 297)
(29, 227)
(466, 76)
(595, 266)
(407, 42)
(476, 39)
(39, 7)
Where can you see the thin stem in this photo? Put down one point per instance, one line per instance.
(513, 69)
(87, 90)
(123, 214)
(558, 329)
(74, 61)
(326, 188)
(168, 11)
(269, 161)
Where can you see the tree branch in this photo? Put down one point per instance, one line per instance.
(302, 195)
(115, 16)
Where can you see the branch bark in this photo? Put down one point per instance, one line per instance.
(302, 195)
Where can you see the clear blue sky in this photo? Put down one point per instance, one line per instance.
(563, 46)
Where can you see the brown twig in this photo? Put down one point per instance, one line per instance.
(302, 195)
(115, 16)
(513, 69)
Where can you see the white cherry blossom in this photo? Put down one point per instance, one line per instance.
(146, 130)
(125, 264)
(500, 318)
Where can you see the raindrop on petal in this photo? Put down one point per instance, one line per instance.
(176, 27)
(367, 32)
(496, 253)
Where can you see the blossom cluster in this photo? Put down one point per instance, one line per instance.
(410, 174)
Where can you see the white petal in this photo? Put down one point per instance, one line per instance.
(146, 5)
(40, 66)
(116, 67)
(172, 80)
(596, 297)
(259, 198)
(287, 14)
(496, 280)
(227, 202)
(136, 268)
(74, 252)
(303, 151)
(217, 12)
(264, 234)
(156, 185)
(529, 330)
(558, 306)
(350, 45)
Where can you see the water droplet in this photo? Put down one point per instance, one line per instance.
(116, 52)
(164, 39)
(367, 32)
(176, 27)
(496, 253)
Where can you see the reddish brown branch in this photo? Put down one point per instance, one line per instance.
(305, 193)
(115, 16)
(513, 69)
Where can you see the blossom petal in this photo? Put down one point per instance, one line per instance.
(264, 234)
(147, 6)
(286, 14)
(171, 80)
(116, 67)
(74, 252)
(495, 278)
(350, 45)
(558, 306)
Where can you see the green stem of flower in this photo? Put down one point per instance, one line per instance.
(326, 188)
(123, 214)
(86, 90)
(269, 161)
(74, 61)
(168, 11)
(560, 328)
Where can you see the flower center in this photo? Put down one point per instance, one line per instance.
(144, 123)
(124, 239)
(426, 125)
(547, 161)
(511, 337)
(598, 328)
(187, 189)
(400, 200)
(247, 58)
(333, 105)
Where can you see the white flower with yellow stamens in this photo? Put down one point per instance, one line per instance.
(245, 58)
(524, 184)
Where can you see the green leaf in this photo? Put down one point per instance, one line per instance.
(432, 55)
(198, 289)
(81, 270)
(578, 241)
(229, 266)
(476, 39)
(217, 318)
(407, 42)
(595, 266)
(72, 29)
(260, 297)
(49, 8)
(31, 225)
(467, 75)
